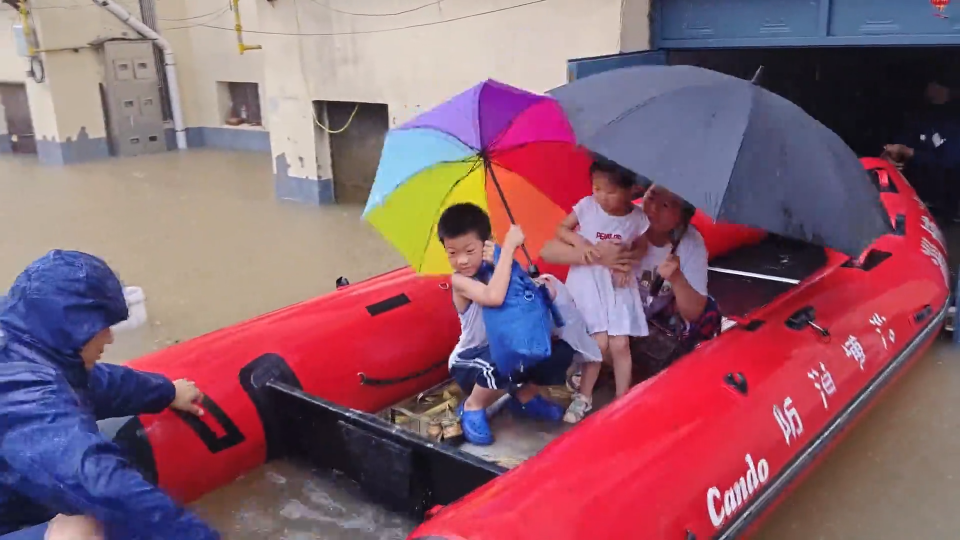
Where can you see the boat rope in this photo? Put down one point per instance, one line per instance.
(370, 381)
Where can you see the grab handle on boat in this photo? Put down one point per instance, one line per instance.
(805, 317)
(737, 381)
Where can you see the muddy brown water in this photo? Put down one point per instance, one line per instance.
(201, 233)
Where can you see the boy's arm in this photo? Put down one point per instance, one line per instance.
(492, 293)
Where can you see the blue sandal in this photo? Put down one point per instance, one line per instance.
(476, 429)
(537, 408)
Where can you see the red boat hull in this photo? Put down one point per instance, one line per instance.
(686, 453)
(683, 451)
(327, 342)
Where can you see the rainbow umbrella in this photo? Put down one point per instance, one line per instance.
(509, 151)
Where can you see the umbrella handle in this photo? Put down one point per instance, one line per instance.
(531, 268)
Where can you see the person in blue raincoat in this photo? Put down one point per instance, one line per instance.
(55, 323)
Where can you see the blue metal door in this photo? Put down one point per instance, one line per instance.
(579, 68)
(700, 24)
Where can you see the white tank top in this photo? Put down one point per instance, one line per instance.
(597, 225)
(472, 331)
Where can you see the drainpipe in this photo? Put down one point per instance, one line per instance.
(169, 63)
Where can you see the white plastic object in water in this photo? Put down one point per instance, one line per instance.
(137, 306)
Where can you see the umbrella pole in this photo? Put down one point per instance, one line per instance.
(532, 269)
(658, 281)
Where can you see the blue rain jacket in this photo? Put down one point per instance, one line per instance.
(53, 458)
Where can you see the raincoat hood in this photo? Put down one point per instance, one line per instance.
(59, 303)
(53, 457)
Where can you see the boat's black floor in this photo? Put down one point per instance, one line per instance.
(774, 257)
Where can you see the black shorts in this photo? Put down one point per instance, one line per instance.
(474, 367)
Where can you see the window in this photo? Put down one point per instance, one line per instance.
(244, 104)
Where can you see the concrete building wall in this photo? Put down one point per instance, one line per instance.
(409, 62)
(635, 29)
(66, 108)
(389, 54)
(201, 32)
(12, 67)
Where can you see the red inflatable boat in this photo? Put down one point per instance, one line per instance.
(704, 449)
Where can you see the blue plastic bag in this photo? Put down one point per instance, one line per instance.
(520, 330)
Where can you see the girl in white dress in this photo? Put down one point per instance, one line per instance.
(609, 301)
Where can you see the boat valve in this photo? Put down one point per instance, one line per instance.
(805, 317)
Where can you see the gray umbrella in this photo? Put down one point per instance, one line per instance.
(739, 153)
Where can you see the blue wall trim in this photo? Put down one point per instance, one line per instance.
(302, 190)
(246, 140)
(71, 151)
(837, 41)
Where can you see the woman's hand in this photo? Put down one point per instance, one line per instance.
(669, 268)
(638, 248)
(188, 395)
(590, 255)
(612, 254)
(64, 527)
(546, 282)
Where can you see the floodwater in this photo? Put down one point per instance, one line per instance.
(201, 233)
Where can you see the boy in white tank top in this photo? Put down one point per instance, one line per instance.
(465, 231)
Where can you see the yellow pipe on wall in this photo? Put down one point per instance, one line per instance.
(239, 28)
(27, 34)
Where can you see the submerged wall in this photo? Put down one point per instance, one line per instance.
(409, 62)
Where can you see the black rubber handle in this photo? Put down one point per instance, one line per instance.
(737, 381)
